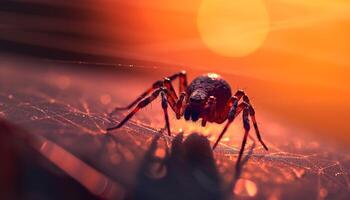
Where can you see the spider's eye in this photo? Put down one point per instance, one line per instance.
(195, 100)
(197, 97)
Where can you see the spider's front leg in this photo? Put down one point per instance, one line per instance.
(240, 94)
(165, 110)
(235, 110)
(154, 86)
(160, 83)
(233, 113)
(168, 94)
(246, 126)
(163, 92)
(176, 103)
(140, 105)
(233, 103)
(255, 124)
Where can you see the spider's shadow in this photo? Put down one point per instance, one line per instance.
(188, 172)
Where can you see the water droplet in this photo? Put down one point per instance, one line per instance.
(339, 174)
(225, 139)
(160, 153)
(245, 187)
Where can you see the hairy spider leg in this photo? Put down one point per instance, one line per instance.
(255, 124)
(154, 86)
(168, 97)
(140, 105)
(165, 109)
(183, 85)
(179, 106)
(172, 97)
(233, 113)
(246, 126)
(176, 102)
(241, 94)
(182, 80)
(163, 92)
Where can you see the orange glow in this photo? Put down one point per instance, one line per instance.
(299, 72)
(233, 28)
(160, 153)
(245, 187)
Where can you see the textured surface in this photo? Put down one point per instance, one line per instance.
(69, 108)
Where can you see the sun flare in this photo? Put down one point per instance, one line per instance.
(233, 28)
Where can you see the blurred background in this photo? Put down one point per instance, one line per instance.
(293, 53)
(292, 57)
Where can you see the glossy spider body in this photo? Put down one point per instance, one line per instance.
(207, 97)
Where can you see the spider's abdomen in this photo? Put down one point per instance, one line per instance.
(212, 85)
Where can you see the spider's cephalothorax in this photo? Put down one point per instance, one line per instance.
(207, 97)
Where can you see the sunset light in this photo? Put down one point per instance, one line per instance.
(233, 28)
(175, 99)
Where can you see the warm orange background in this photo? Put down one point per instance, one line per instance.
(301, 71)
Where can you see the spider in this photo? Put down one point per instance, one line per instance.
(208, 97)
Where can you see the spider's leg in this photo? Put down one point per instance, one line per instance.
(165, 109)
(179, 106)
(246, 132)
(182, 80)
(209, 110)
(155, 85)
(176, 103)
(241, 94)
(171, 94)
(183, 85)
(255, 124)
(140, 105)
(231, 115)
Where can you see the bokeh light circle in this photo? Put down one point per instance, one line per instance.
(233, 28)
